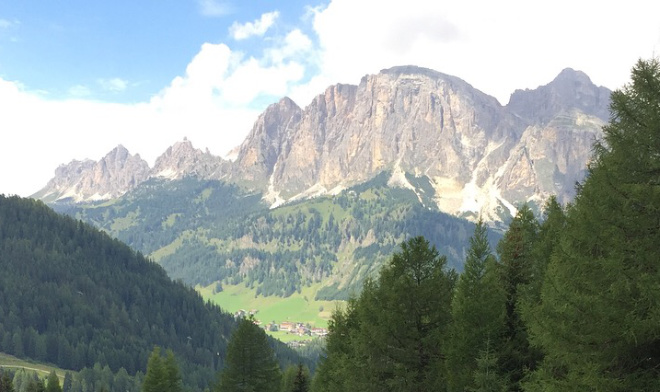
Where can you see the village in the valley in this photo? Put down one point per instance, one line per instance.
(290, 327)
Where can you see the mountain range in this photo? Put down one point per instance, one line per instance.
(480, 158)
(316, 199)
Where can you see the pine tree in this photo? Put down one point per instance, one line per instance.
(53, 383)
(391, 336)
(515, 250)
(6, 384)
(156, 378)
(67, 383)
(172, 374)
(598, 321)
(301, 382)
(250, 363)
(486, 377)
(477, 312)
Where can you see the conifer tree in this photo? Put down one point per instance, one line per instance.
(477, 313)
(156, 378)
(53, 383)
(301, 382)
(391, 336)
(515, 250)
(6, 384)
(67, 383)
(250, 363)
(598, 320)
(172, 374)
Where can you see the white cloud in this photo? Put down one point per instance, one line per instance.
(115, 85)
(257, 28)
(495, 46)
(214, 8)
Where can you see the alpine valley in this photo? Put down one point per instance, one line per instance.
(316, 198)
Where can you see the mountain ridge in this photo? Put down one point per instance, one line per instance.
(481, 158)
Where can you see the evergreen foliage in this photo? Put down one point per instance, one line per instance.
(162, 373)
(597, 320)
(94, 301)
(6, 382)
(391, 337)
(516, 263)
(477, 316)
(301, 382)
(53, 383)
(250, 364)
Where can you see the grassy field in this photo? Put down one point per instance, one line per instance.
(11, 362)
(300, 307)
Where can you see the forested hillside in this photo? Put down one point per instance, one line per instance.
(206, 231)
(73, 296)
(570, 303)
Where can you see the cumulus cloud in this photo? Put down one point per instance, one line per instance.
(496, 46)
(256, 28)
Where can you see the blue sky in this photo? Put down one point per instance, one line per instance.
(121, 51)
(77, 77)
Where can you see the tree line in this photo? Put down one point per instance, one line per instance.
(566, 304)
(71, 295)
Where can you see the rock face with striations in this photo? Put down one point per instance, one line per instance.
(479, 156)
(110, 177)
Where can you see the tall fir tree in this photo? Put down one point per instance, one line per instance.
(67, 383)
(156, 378)
(250, 363)
(172, 374)
(6, 383)
(477, 313)
(53, 383)
(301, 382)
(391, 336)
(515, 250)
(598, 320)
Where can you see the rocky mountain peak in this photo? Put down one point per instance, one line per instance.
(266, 141)
(110, 177)
(570, 90)
(182, 159)
(480, 158)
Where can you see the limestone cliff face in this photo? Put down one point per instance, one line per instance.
(182, 159)
(118, 172)
(110, 177)
(480, 156)
(269, 138)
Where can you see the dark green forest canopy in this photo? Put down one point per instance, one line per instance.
(215, 227)
(73, 296)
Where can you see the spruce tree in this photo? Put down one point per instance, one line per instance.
(172, 374)
(53, 383)
(515, 250)
(301, 382)
(156, 378)
(477, 313)
(68, 382)
(598, 320)
(6, 384)
(250, 362)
